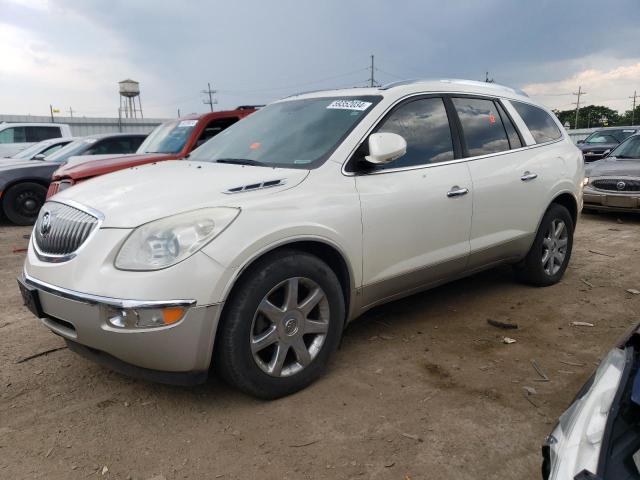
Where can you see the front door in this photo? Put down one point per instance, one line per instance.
(416, 210)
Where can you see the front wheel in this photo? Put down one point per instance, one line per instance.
(283, 320)
(549, 256)
(21, 203)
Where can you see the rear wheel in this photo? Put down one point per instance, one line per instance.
(22, 202)
(281, 324)
(549, 256)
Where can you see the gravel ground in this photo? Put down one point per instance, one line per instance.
(422, 388)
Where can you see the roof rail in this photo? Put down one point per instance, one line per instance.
(248, 107)
(456, 81)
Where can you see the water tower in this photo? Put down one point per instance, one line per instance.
(129, 92)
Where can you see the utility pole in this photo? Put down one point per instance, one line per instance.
(71, 112)
(487, 79)
(209, 92)
(372, 80)
(580, 92)
(633, 110)
(178, 113)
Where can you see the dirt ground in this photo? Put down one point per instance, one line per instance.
(422, 388)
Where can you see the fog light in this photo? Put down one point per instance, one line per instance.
(143, 317)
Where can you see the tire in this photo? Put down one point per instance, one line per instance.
(22, 202)
(534, 269)
(243, 354)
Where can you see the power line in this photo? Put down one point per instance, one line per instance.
(211, 100)
(577, 103)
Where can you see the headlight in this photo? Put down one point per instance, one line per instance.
(576, 441)
(165, 242)
(585, 181)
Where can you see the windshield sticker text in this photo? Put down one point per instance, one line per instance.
(187, 123)
(349, 105)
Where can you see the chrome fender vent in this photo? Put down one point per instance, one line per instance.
(256, 186)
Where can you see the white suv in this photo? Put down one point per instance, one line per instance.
(253, 253)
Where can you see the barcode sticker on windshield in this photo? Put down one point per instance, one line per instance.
(187, 123)
(349, 105)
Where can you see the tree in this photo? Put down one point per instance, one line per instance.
(626, 118)
(591, 116)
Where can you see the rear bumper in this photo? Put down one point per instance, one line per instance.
(611, 201)
(161, 354)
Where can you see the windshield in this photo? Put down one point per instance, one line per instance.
(292, 134)
(169, 137)
(629, 149)
(609, 136)
(74, 148)
(31, 151)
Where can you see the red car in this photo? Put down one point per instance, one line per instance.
(170, 141)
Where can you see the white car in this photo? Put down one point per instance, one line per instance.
(18, 136)
(252, 254)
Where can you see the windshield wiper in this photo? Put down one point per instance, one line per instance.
(241, 161)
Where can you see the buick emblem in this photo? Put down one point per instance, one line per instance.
(45, 225)
(621, 185)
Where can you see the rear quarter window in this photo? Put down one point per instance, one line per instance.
(539, 122)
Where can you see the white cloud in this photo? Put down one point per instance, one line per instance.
(610, 87)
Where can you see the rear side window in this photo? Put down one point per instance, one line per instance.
(425, 126)
(482, 127)
(539, 122)
(13, 135)
(37, 134)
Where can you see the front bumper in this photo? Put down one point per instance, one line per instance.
(611, 201)
(181, 348)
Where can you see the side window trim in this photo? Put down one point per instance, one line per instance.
(509, 119)
(457, 149)
(525, 134)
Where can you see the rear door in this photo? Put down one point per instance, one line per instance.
(510, 180)
(416, 210)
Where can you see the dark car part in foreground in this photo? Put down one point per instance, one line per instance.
(598, 436)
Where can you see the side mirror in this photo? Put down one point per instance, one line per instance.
(39, 156)
(385, 148)
(580, 141)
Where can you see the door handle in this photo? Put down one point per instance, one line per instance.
(456, 191)
(526, 176)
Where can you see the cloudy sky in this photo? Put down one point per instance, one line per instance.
(72, 53)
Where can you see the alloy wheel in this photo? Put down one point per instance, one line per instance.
(289, 327)
(554, 247)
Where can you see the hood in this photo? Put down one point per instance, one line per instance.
(88, 166)
(585, 147)
(138, 195)
(611, 166)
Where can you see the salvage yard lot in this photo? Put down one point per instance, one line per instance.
(421, 388)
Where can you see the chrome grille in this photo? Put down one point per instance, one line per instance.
(615, 184)
(61, 229)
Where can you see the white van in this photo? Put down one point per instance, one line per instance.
(18, 136)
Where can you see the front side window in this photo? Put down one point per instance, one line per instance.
(539, 122)
(482, 126)
(292, 134)
(214, 127)
(13, 135)
(424, 125)
(117, 145)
